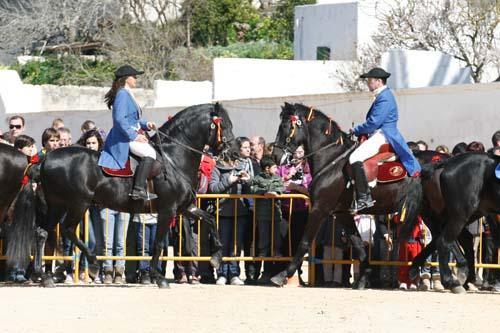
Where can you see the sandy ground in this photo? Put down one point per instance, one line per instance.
(210, 308)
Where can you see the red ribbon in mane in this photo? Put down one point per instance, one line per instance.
(217, 121)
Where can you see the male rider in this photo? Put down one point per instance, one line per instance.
(381, 128)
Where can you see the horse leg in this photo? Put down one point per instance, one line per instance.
(445, 246)
(46, 236)
(158, 246)
(364, 266)
(467, 272)
(41, 238)
(359, 251)
(215, 244)
(70, 223)
(316, 217)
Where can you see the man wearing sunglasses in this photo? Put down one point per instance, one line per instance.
(16, 128)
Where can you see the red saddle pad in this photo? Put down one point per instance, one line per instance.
(125, 172)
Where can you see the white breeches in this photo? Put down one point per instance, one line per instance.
(142, 149)
(368, 148)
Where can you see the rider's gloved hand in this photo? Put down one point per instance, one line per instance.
(151, 125)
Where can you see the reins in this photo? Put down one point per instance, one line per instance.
(183, 145)
(296, 122)
(339, 141)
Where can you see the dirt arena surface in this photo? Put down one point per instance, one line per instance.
(210, 308)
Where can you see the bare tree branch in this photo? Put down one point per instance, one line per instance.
(24, 24)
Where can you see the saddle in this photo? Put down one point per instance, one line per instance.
(130, 166)
(384, 167)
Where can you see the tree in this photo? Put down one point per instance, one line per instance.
(217, 22)
(145, 45)
(464, 29)
(283, 16)
(32, 24)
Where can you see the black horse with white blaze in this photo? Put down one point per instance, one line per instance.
(71, 181)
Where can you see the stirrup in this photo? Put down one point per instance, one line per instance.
(142, 195)
(359, 205)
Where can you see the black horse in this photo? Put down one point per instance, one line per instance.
(328, 149)
(457, 191)
(71, 181)
(13, 164)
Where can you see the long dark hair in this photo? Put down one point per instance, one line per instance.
(110, 96)
(90, 133)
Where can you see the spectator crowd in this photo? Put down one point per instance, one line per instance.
(267, 227)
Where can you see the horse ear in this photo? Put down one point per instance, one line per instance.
(287, 107)
(217, 107)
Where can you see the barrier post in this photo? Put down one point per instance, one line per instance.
(76, 256)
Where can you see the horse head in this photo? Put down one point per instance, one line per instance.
(221, 137)
(292, 131)
(201, 125)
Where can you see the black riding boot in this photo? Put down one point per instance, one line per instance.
(139, 191)
(364, 198)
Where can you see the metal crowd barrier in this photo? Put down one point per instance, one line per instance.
(311, 258)
(75, 258)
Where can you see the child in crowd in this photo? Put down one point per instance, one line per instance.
(269, 184)
(25, 144)
(408, 251)
(50, 141)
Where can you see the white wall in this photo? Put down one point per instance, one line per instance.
(415, 69)
(330, 25)
(179, 93)
(16, 96)
(438, 115)
(236, 78)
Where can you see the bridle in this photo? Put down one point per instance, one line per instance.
(296, 122)
(215, 130)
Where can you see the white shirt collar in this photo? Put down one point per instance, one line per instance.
(377, 91)
(127, 88)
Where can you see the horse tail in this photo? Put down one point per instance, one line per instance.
(410, 209)
(427, 171)
(21, 234)
(429, 168)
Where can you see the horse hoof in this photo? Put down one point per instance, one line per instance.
(461, 277)
(216, 260)
(413, 273)
(361, 284)
(279, 279)
(458, 290)
(48, 283)
(163, 283)
(93, 271)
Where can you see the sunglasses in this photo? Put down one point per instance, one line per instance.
(15, 126)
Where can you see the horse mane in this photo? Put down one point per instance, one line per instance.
(178, 122)
(323, 121)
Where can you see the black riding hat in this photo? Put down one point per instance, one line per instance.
(376, 73)
(127, 70)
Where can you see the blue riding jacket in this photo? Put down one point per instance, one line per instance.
(126, 123)
(383, 114)
(497, 171)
